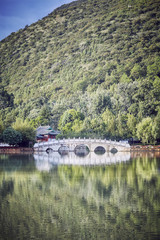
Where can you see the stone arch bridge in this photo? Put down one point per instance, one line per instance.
(72, 144)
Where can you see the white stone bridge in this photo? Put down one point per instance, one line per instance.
(72, 144)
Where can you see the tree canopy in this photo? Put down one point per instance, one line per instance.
(95, 56)
(12, 137)
(26, 130)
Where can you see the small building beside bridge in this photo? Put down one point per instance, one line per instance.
(45, 133)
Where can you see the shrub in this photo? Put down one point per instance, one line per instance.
(12, 137)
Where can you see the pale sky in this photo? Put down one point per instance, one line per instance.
(16, 14)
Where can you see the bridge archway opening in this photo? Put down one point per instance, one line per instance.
(114, 150)
(99, 150)
(49, 150)
(81, 150)
(63, 150)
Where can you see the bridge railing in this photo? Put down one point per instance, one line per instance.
(85, 140)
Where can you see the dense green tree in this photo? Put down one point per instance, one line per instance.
(100, 100)
(125, 79)
(58, 109)
(97, 127)
(70, 118)
(110, 123)
(45, 115)
(145, 99)
(26, 130)
(77, 126)
(6, 99)
(131, 124)
(87, 125)
(136, 71)
(41, 120)
(146, 130)
(123, 97)
(156, 90)
(12, 137)
(1, 126)
(9, 117)
(154, 69)
(122, 129)
(157, 126)
(1, 129)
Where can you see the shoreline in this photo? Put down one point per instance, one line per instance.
(148, 148)
(25, 150)
(16, 150)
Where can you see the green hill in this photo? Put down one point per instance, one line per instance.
(98, 57)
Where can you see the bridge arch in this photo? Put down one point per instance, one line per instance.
(49, 150)
(63, 149)
(114, 150)
(99, 150)
(81, 149)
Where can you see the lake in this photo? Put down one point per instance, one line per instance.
(103, 197)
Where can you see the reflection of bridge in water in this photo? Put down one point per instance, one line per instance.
(44, 161)
(72, 144)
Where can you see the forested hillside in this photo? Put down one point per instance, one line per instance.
(89, 68)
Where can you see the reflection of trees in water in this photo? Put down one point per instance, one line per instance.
(145, 154)
(16, 162)
(6, 188)
(74, 202)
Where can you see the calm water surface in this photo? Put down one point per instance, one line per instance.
(110, 196)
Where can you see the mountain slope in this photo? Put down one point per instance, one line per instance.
(80, 54)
